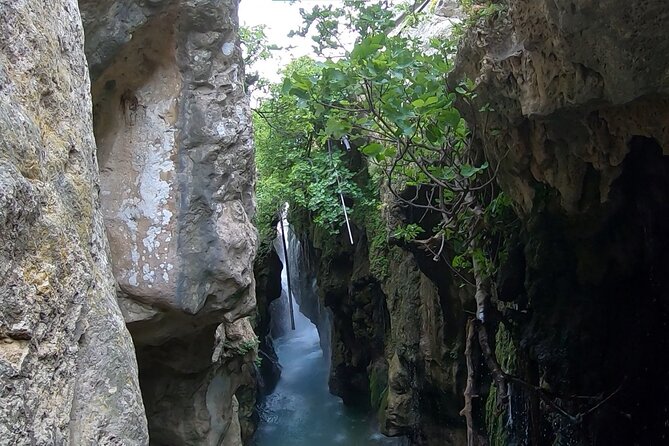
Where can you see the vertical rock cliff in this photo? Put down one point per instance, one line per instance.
(570, 107)
(172, 125)
(578, 100)
(67, 367)
(394, 338)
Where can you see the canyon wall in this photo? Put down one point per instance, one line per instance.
(395, 338)
(578, 125)
(172, 124)
(389, 322)
(170, 184)
(67, 365)
(571, 110)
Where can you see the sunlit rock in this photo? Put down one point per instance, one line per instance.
(173, 129)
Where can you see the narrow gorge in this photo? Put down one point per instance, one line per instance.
(460, 205)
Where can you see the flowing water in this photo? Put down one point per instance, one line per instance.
(301, 411)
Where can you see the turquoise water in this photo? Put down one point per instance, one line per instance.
(301, 411)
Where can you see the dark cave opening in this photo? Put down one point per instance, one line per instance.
(637, 290)
(598, 289)
(594, 307)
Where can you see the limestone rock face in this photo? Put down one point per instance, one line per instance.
(579, 93)
(569, 84)
(176, 160)
(172, 123)
(67, 366)
(425, 372)
(189, 385)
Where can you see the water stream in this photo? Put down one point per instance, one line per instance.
(301, 411)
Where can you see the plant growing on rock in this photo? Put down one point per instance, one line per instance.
(391, 90)
(389, 93)
(256, 48)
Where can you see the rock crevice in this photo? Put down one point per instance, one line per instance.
(172, 123)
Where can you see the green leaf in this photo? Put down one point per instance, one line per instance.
(449, 175)
(451, 116)
(335, 127)
(467, 171)
(431, 100)
(390, 152)
(366, 47)
(372, 149)
(433, 133)
(298, 92)
(418, 103)
(406, 127)
(318, 109)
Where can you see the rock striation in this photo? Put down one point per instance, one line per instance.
(68, 372)
(172, 124)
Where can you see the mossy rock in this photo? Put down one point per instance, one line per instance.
(378, 384)
(506, 353)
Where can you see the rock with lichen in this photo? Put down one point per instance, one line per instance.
(67, 363)
(173, 128)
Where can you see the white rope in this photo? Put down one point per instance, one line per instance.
(341, 195)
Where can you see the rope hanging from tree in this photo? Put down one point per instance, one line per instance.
(341, 195)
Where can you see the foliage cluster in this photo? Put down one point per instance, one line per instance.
(255, 48)
(477, 10)
(391, 92)
(388, 96)
(296, 167)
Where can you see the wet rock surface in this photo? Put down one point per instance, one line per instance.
(267, 272)
(579, 99)
(392, 338)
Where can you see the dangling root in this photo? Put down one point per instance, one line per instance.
(469, 389)
(498, 375)
(477, 330)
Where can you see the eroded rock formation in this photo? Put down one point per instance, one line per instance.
(172, 125)
(579, 124)
(570, 84)
(67, 366)
(572, 102)
(175, 196)
(395, 341)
